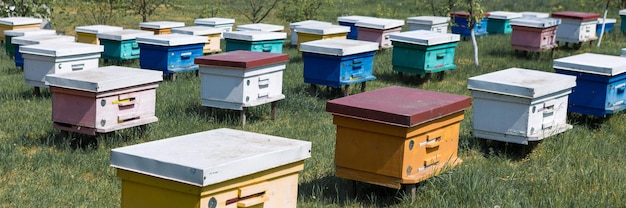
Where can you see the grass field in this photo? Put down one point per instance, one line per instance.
(582, 167)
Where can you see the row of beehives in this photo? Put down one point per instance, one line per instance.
(527, 105)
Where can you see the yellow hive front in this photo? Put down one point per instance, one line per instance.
(89, 38)
(161, 31)
(213, 44)
(276, 187)
(306, 37)
(391, 155)
(15, 27)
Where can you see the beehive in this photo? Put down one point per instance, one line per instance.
(519, 105)
(535, 14)
(16, 23)
(261, 27)
(432, 23)
(576, 27)
(160, 27)
(499, 22)
(9, 46)
(461, 24)
(34, 40)
(213, 35)
(608, 25)
(378, 30)
(396, 135)
(256, 41)
(219, 168)
(600, 83)
(337, 62)
(89, 34)
(313, 32)
(122, 44)
(294, 31)
(423, 51)
(226, 24)
(55, 58)
(534, 34)
(622, 15)
(170, 53)
(351, 21)
(240, 79)
(103, 99)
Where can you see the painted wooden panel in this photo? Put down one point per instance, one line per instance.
(376, 35)
(294, 31)
(533, 39)
(160, 27)
(33, 40)
(608, 26)
(16, 23)
(576, 27)
(170, 59)
(520, 105)
(461, 25)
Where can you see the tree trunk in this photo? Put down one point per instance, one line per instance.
(475, 45)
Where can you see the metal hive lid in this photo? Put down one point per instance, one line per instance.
(104, 78)
(521, 82)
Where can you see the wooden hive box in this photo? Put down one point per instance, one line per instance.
(600, 83)
(213, 36)
(608, 26)
(89, 34)
(55, 58)
(534, 34)
(121, 44)
(423, 51)
(520, 105)
(219, 168)
(395, 135)
(378, 30)
(337, 62)
(104, 99)
(313, 32)
(499, 22)
(16, 23)
(351, 21)
(170, 53)
(294, 31)
(9, 46)
(160, 27)
(255, 41)
(261, 27)
(432, 23)
(461, 24)
(34, 40)
(576, 27)
(535, 14)
(226, 24)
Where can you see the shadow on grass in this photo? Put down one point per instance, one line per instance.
(492, 148)
(588, 121)
(336, 190)
(227, 116)
(412, 80)
(63, 140)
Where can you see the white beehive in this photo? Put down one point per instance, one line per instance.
(226, 24)
(432, 23)
(520, 105)
(53, 58)
(261, 27)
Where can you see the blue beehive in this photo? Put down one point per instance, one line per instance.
(423, 51)
(170, 53)
(33, 40)
(608, 25)
(351, 22)
(600, 83)
(337, 62)
(461, 25)
(255, 41)
(121, 44)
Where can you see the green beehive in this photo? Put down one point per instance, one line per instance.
(422, 51)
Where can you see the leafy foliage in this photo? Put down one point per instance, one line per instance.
(26, 8)
(254, 10)
(298, 10)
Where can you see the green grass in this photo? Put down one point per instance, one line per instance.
(582, 167)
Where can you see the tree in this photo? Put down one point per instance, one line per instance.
(145, 8)
(99, 11)
(253, 10)
(212, 8)
(476, 14)
(26, 8)
(297, 10)
(439, 9)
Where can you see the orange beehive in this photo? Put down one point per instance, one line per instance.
(395, 135)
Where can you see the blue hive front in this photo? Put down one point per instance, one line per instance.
(600, 83)
(350, 21)
(170, 53)
(337, 62)
(461, 26)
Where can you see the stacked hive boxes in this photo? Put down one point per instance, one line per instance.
(17, 23)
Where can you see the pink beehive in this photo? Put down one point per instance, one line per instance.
(378, 30)
(534, 34)
(104, 99)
